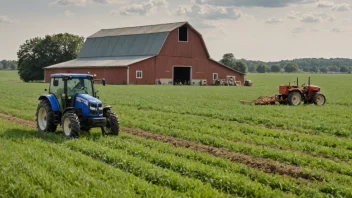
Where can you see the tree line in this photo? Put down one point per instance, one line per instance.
(8, 65)
(315, 65)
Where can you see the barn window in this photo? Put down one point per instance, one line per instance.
(215, 76)
(139, 74)
(183, 34)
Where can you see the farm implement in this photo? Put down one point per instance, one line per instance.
(292, 95)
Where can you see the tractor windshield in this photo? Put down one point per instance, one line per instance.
(79, 86)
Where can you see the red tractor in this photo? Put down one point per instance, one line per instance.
(293, 95)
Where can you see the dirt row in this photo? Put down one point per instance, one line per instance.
(267, 165)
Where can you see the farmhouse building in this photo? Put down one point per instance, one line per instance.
(170, 53)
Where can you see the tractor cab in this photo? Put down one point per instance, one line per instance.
(72, 102)
(66, 88)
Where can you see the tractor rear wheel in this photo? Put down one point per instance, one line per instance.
(70, 125)
(319, 99)
(294, 98)
(112, 124)
(45, 117)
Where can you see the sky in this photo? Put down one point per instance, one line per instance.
(267, 30)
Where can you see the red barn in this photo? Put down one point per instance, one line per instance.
(155, 54)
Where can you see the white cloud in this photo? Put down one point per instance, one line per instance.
(311, 18)
(342, 7)
(83, 2)
(102, 1)
(272, 20)
(325, 4)
(69, 2)
(68, 13)
(298, 30)
(145, 8)
(337, 29)
(209, 12)
(248, 16)
(253, 3)
(292, 15)
(6, 19)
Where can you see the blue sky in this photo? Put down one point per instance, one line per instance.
(266, 30)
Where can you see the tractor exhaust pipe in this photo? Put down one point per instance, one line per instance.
(297, 81)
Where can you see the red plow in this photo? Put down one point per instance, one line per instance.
(263, 100)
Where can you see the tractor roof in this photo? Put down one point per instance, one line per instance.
(61, 75)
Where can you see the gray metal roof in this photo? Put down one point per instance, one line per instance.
(122, 61)
(125, 45)
(167, 27)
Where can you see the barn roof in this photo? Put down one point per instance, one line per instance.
(121, 61)
(147, 29)
(124, 45)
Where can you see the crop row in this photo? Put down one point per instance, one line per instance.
(200, 166)
(236, 184)
(33, 167)
(141, 120)
(330, 147)
(287, 184)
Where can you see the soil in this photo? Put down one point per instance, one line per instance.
(20, 121)
(267, 165)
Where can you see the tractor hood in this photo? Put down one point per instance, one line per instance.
(85, 98)
(313, 88)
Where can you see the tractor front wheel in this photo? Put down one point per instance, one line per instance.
(45, 117)
(112, 124)
(70, 125)
(294, 98)
(319, 99)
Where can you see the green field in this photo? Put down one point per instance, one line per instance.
(180, 141)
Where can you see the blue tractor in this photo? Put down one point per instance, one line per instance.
(74, 105)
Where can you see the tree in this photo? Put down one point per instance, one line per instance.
(228, 60)
(275, 68)
(4, 64)
(240, 66)
(333, 68)
(291, 67)
(261, 68)
(251, 67)
(344, 69)
(37, 53)
(314, 69)
(323, 70)
(13, 67)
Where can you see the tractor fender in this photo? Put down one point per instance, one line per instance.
(52, 99)
(105, 109)
(70, 109)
